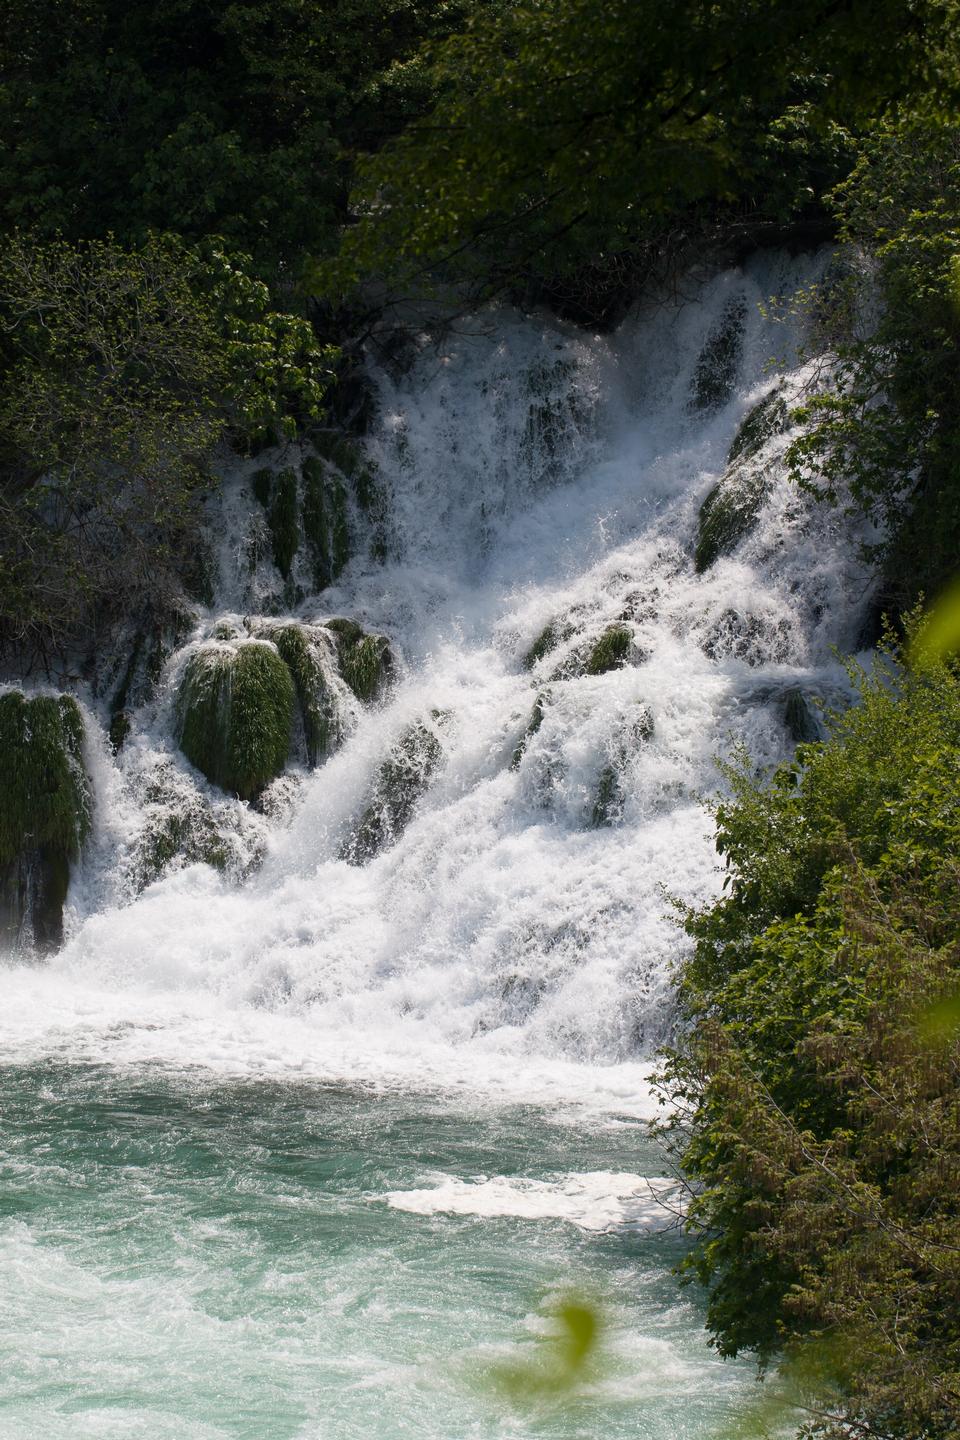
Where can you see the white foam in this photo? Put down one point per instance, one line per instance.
(597, 1200)
(506, 942)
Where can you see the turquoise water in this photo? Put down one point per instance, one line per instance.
(181, 1257)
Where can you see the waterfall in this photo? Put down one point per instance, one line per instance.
(573, 643)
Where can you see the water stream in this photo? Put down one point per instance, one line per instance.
(298, 1150)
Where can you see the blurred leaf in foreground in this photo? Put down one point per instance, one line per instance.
(559, 1360)
(939, 635)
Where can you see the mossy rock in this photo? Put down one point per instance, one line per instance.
(236, 711)
(548, 639)
(187, 834)
(532, 726)
(45, 812)
(608, 801)
(315, 701)
(366, 661)
(278, 495)
(284, 521)
(719, 362)
(728, 514)
(404, 777)
(340, 451)
(800, 716)
(325, 526)
(635, 731)
(610, 651)
(769, 417)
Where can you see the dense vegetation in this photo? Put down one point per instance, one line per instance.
(818, 1082)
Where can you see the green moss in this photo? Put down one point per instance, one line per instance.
(727, 515)
(340, 451)
(186, 833)
(325, 521)
(283, 520)
(262, 484)
(316, 522)
(365, 660)
(235, 711)
(45, 812)
(403, 778)
(770, 416)
(719, 361)
(313, 693)
(46, 794)
(610, 651)
(340, 534)
(800, 717)
(549, 638)
(533, 725)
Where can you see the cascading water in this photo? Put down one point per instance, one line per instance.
(484, 975)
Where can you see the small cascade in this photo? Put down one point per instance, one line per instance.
(416, 790)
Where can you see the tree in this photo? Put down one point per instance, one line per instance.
(566, 128)
(818, 1079)
(121, 371)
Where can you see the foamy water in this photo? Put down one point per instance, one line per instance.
(507, 961)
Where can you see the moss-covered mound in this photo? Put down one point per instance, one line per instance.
(365, 660)
(316, 703)
(610, 651)
(728, 514)
(403, 778)
(800, 716)
(235, 711)
(769, 417)
(44, 812)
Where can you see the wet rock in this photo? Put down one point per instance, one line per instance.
(769, 417)
(728, 514)
(532, 726)
(404, 777)
(44, 816)
(755, 639)
(800, 716)
(719, 363)
(635, 730)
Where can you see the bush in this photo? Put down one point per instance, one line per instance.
(819, 1102)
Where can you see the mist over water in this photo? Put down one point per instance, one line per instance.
(507, 951)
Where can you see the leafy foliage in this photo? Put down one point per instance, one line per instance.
(200, 117)
(121, 371)
(819, 1111)
(886, 431)
(565, 131)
